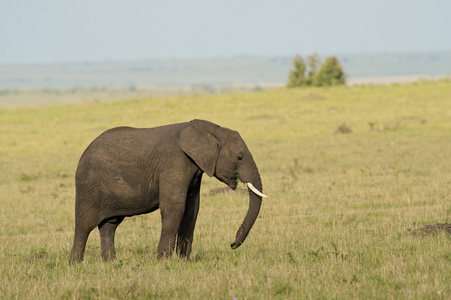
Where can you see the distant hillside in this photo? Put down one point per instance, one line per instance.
(397, 64)
(236, 71)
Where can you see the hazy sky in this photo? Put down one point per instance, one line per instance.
(40, 31)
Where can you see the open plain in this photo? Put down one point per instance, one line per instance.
(353, 175)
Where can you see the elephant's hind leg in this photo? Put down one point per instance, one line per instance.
(78, 248)
(107, 230)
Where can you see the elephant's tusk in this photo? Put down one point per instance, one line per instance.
(252, 188)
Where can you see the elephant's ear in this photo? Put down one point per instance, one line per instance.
(198, 142)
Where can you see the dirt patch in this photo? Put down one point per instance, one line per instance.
(343, 128)
(431, 229)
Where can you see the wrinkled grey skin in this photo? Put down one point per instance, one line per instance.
(130, 171)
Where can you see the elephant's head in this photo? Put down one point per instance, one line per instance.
(222, 153)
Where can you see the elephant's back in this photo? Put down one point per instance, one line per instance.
(112, 142)
(128, 140)
(127, 146)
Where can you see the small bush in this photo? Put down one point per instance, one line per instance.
(297, 75)
(328, 73)
(313, 62)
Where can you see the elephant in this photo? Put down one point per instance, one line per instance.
(130, 171)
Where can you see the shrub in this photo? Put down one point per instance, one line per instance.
(313, 62)
(330, 73)
(296, 77)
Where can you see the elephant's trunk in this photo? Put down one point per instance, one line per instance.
(255, 201)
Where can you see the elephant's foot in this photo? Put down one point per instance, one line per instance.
(164, 255)
(75, 258)
(108, 255)
(184, 248)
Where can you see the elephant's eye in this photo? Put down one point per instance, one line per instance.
(240, 156)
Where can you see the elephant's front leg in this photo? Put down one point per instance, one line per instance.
(186, 230)
(172, 209)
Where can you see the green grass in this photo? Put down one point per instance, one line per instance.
(336, 224)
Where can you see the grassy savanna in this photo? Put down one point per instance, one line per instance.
(338, 223)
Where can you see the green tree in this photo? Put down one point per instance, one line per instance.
(313, 63)
(296, 77)
(330, 73)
